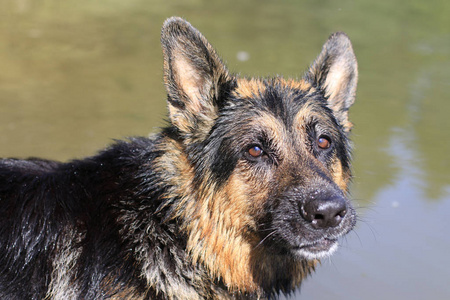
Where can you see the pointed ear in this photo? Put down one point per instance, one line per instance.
(193, 75)
(335, 72)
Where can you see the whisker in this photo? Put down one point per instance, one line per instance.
(265, 238)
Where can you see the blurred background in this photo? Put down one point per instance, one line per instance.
(76, 74)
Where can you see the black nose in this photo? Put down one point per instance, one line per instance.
(324, 211)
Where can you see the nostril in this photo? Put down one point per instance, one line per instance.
(338, 218)
(319, 217)
(324, 213)
(342, 213)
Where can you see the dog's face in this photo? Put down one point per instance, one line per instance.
(269, 159)
(292, 155)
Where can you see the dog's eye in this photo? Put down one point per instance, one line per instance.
(255, 151)
(323, 142)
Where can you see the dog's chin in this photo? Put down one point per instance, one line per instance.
(316, 250)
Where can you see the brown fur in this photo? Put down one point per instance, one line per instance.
(236, 198)
(221, 221)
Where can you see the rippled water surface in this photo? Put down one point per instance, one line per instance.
(76, 74)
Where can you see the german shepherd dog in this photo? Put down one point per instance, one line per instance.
(239, 196)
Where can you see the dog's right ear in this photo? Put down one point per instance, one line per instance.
(193, 76)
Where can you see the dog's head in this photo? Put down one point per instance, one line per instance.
(265, 162)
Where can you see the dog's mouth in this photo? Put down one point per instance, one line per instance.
(321, 248)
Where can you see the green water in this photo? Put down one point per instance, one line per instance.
(75, 74)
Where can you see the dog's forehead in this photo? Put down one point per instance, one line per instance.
(253, 87)
(293, 102)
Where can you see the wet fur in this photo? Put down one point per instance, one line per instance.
(187, 213)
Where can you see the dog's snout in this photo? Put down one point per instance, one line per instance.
(324, 211)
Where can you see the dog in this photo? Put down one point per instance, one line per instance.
(238, 197)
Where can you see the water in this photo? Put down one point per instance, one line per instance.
(76, 74)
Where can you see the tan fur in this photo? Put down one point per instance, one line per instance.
(339, 176)
(188, 79)
(341, 79)
(249, 88)
(215, 225)
(224, 203)
(292, 83)
(220, 222)
(216, 235)
(309, 111)
(220, 225)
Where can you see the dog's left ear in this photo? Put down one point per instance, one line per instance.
(335, 72)
(193, 76)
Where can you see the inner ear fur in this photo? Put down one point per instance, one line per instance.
(193, 75)
(335, 72)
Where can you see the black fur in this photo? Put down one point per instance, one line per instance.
(116, 225)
